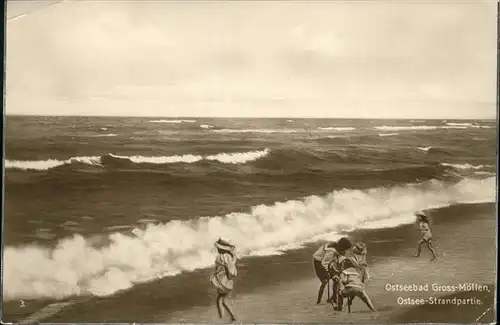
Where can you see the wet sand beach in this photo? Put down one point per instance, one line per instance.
(465, 255)
(283, 288)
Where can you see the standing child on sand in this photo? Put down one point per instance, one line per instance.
(224, 273)
(425, 232)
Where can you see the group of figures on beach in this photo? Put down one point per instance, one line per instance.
(342, 263)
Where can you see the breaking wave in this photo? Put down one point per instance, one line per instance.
(465, 166)
(471, 125)
(160, 159)
(226, 158)
(50, 163)
(387, 134)
(76, 266)
(337, 128)
(459, 124)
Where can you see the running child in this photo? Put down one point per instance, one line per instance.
(424, 228)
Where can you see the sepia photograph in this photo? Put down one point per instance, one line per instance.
(250, 162)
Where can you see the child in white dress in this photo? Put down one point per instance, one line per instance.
(223, 277)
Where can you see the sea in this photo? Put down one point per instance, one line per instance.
(100, 207)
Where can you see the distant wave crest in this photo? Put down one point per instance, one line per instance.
(77, 267)
(173, 121)
(50, 163)
(467, 125)
(465, 166)
(387, 134)
(331, 128)
(459, 124)
(226, 158)
(109, 135)
(462, 126)
(266, 131)
(410, 127)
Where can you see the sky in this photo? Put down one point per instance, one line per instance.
(340, 59)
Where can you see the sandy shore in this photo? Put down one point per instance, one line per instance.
(283, 289)
(466, 250)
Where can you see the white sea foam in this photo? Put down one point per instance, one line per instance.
(465, 166)
(387, 134)
(76, 267)
(459, 126)
(331, 128)
(453, 127)
(49, 163)
(266, 131)
(206, 126)
(105, 135)
(173, 121)
(468, 125)
(239, 157)
(400, 128)
(161, 159)
(228, 158)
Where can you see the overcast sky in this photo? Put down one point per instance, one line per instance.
(419, 59)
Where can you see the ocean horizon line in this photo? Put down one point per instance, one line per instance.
(263, 117)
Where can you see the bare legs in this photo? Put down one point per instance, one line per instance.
(322, 290)
(223, 304)
(429, 246)
(367, 301)
(352, 293)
